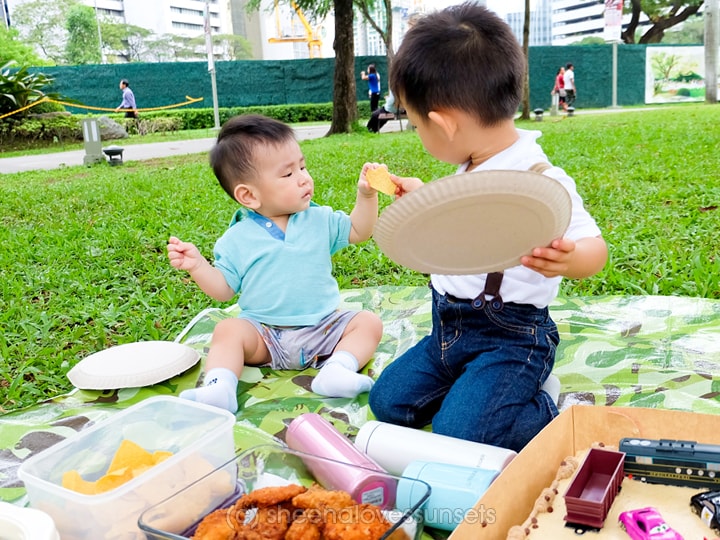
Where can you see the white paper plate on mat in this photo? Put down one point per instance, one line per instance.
(474, 222)
(131, 365)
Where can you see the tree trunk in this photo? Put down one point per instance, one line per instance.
(526, 52)
(712, 10)
(344, 90)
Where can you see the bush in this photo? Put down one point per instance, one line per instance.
(41, 128)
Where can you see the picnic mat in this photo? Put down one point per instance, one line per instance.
(643, 351)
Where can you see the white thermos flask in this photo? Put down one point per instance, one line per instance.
(395, 447)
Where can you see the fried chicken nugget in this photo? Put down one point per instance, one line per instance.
(303, 529)
(269, 522)
(218, 525)
(319, 498)
(269, 496)
(358, 522)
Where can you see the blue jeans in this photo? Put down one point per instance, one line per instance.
(477, 376)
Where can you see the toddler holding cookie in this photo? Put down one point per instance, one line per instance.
(277, 251)
(485, 372)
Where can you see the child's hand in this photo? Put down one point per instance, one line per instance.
(405, 184)
(364, 186)
(551, 261)
(184, 255)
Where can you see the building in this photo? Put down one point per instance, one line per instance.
(541, 24)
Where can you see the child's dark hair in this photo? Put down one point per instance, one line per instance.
(464, 57)
(232, 156)
(371, 68)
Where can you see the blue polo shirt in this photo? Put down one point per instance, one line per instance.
(284, 279)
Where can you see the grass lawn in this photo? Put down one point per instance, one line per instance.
(83, 264)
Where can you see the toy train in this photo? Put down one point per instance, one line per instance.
(672, 462)
(594, 488)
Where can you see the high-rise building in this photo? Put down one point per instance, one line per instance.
(541, 23)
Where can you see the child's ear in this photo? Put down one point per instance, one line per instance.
(245, 195)
(446, 121)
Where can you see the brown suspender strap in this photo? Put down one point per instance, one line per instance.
(494, 279)
(540, 167)
(492, 283)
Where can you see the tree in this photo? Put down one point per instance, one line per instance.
(525, 115)
(691, 32)
(365, 7)
(83, 44)
(663, 14)
(344, 89)
(121, 40)
(12, 48)
(41, 25)
(590, 40)
(225, 47)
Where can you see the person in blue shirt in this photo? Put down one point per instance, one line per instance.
(277, 255)
(128, 100)
(373, 79)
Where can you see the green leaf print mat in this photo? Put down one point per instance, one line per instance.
(641, 351)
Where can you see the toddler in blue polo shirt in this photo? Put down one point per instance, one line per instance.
(277, 256)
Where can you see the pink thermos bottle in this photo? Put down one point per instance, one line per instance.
(345, 468)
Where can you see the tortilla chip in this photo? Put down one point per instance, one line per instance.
(73, 481)
(130, 460)
(379, 179)
(130, 455)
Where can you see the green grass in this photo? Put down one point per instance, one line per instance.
(83, 264)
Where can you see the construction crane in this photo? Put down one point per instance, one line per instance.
(311, 35)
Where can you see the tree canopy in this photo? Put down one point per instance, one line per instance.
(83, 44)
(13, 48)
(662, 14)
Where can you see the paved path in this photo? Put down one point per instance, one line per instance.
(138, 152)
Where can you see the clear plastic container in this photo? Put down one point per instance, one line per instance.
(200, 438)
(177, 517)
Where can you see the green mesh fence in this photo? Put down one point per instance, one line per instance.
(279, 82)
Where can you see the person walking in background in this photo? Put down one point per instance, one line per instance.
(559, 88)
(128, 100)
(373, 79)
(569, 82)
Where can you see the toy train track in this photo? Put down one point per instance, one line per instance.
(672, 462)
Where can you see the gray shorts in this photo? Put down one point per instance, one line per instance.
(300, 347)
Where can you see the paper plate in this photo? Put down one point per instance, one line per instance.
(132, 365)
(475, 222)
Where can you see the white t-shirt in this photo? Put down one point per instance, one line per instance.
(569, 79)
(520, 284)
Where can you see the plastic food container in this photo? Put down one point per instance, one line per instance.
(18, 523)
(177, 517)
(200, 438)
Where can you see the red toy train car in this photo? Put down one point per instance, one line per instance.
(594, 488)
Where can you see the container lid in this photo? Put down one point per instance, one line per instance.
(132, 365)
(362, 439)
(17, 523)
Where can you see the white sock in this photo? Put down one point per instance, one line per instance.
(339, 377)
(552, 387)
(220, 390)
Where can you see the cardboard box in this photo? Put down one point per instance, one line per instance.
(511, 497)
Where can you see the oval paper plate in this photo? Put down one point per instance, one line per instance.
(131, 365)
(475, 222)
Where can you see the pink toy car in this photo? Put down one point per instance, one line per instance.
(647, 524)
